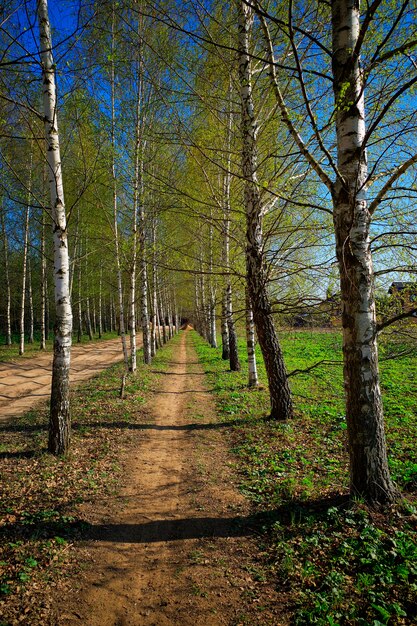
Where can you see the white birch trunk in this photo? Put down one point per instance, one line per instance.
(250, 343)
(224, 329)
(79, 306)
(24, 267)
(158, 327)
(162, 314)
(7, 278)
(212, 291)
(369, 471)
(115, 212)
(30, 298)
(232, 349)
(87, 300)
(43, 285)
(167, 309)
(100, 304)
(154, 292)
(88, 318)
(59, 424)
(147, 357)
(47, 310)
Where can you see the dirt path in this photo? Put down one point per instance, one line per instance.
(171, 549)
(26, 382)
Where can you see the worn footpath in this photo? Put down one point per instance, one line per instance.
(174, 546)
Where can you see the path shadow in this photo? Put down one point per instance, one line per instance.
(38, 428)
(167, 530)
(159, 427)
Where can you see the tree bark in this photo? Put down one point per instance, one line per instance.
(212, 291)
(87, 299)
(43, 285)
(115, 220)
(232, 348)
(59, 420)
(100, 304)
(7, 278)
(154, 307)
(30, 298)
(24, 263)
(233, 345)
(79, 306)
(369, 473)
(250, 343)
(279, 391)
(224, 329)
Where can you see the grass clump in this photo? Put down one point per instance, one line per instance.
(334, 562)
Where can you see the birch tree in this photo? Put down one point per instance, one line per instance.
(279, 391)
(346, 175)
(115, 201)
(59, 421)
(7, 278)
(369, 465)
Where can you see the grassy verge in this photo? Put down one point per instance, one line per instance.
(335, 563)
(42, 497)
(8, 353)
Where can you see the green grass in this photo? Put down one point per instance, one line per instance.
(335, 562)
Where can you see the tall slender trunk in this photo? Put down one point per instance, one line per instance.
(30, 298)
(79, 307)
(232, 349)
(88, 318)
(163, 318)
(100, 304)
(233, 345)
(47, 309)
(224, 329)
(197, 305)
(59, 422)
(158, 327)
(94, 317)
(280, 396)
(170, 317)
(212, 291)
(250, 343)
(369, 473)
(154, 293)
(25, 260)
(87, 298)
(43, 285)
(115, 212)
(7, 278)
(203, 301)
(74, 259)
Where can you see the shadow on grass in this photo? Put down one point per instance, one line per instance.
(33, 428)
(23, 454)
(178, 529)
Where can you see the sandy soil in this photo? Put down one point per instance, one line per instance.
(26, 382)
(173, 548)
